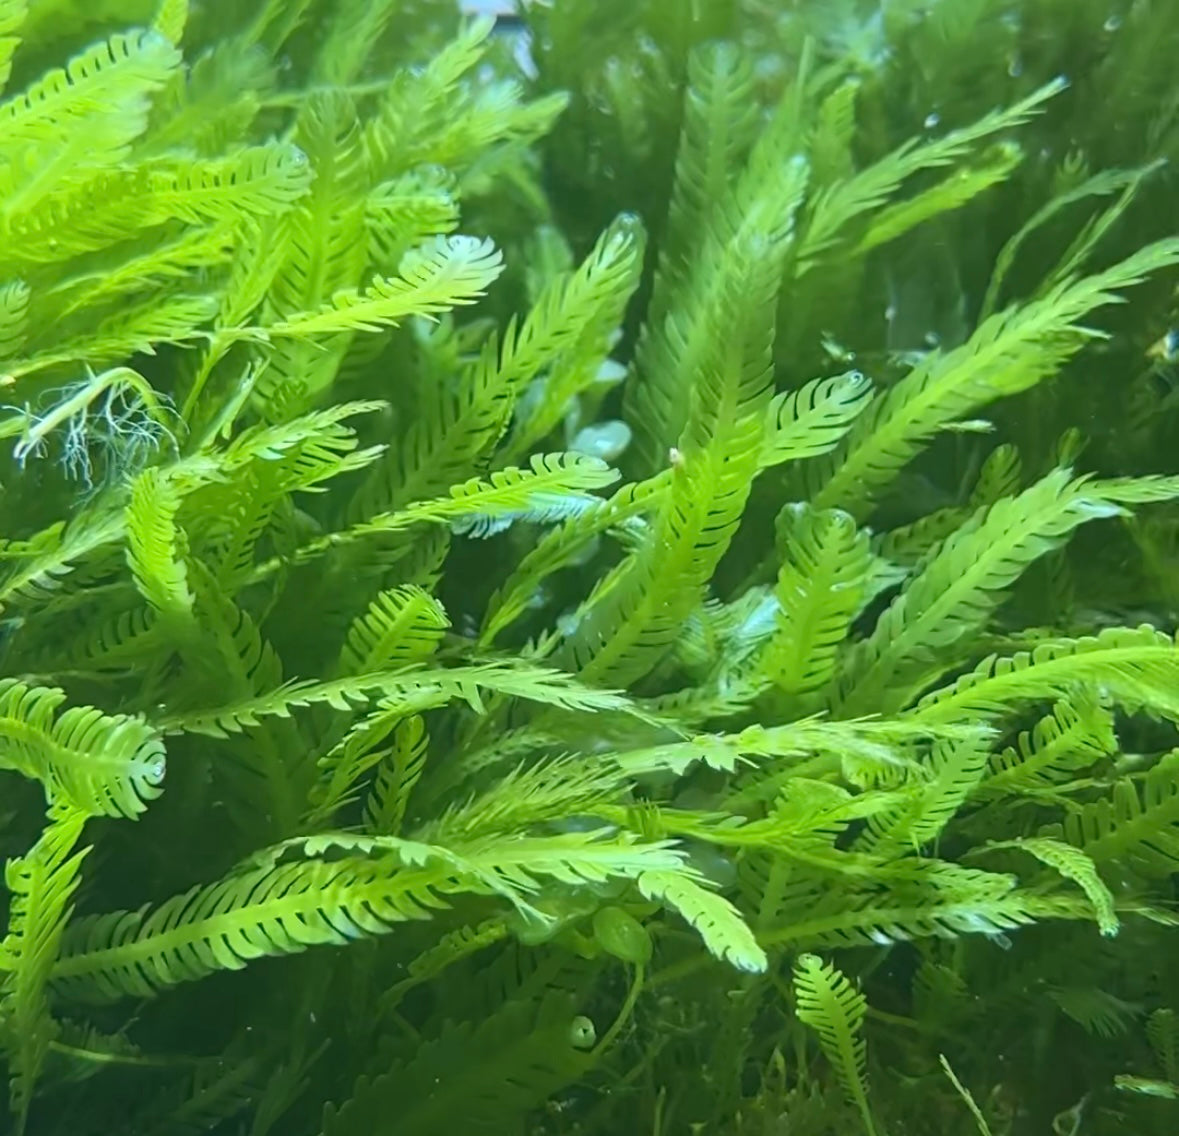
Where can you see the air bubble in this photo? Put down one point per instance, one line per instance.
(1015, 67)
(1112, 23)
(932, 119)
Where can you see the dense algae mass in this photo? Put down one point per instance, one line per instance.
(609, 573)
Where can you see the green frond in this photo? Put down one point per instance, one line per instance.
(967, 904)
(249, 914)
(400, 770)
(412, 108)
(821, 583)
(623, 630)
(278, 906)
(138, 329)
(406, 211)
(562, 546)
(451, 948)
(155, 549)
(170, 20)
(12, 17)
(556, 487)
(99, 764)
(1137, 668)
(41, 884)
(952, 192)
(342, 767)
(960, 586)
(401, 626)
(102, 75)
(828, 1003)
(529, 795)
(838, 205)
(258, 181)
(1008, 353)
(160, 262)
(593, 301)
(439, 275)
(14, 318)
(718, 131)
(503, 1067)
(57, 157)
(1136, 826)
(813, 419)
(739, 258)
(1096, 1011)
(718, 922)
(355, 28)
(1076, 865)
(323, 253)
(950, 775)
(211, 112)
(456, 429)
(1078, 733)
(411, 690)
(1103, 184)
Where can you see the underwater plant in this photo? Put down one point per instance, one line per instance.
(569, 667)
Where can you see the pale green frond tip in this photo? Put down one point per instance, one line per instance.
(718, 922)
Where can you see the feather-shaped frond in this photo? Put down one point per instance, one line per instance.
(102, 75)
(1103, 184)
(14, 317)
(718, 922)
(1008, 353)
(155, 549)
(343, 766)
(456, 430)
(258, 181)
(407, 211)
(323, 242)
(675, 352)
(838, 205)
(138, 329)
(556, 487)
(529, 795)
(828, 1003)
(410, 689)
(1138, 668)
(1078, 733)
(952, 192)
(1076, 865)
(821, 583)
(413, 104)
(950, 776)
(278, 906)
(433, 278)
(1137, 826)
(813, 419)
(624, 629)
(355, 28)
(563, 545)
(940, 901)
(401, 626)
(98, 764)
(42, 885)
(958, 588)
(503, 1067)
(400, 770)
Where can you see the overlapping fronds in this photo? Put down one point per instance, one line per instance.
(574, 570)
